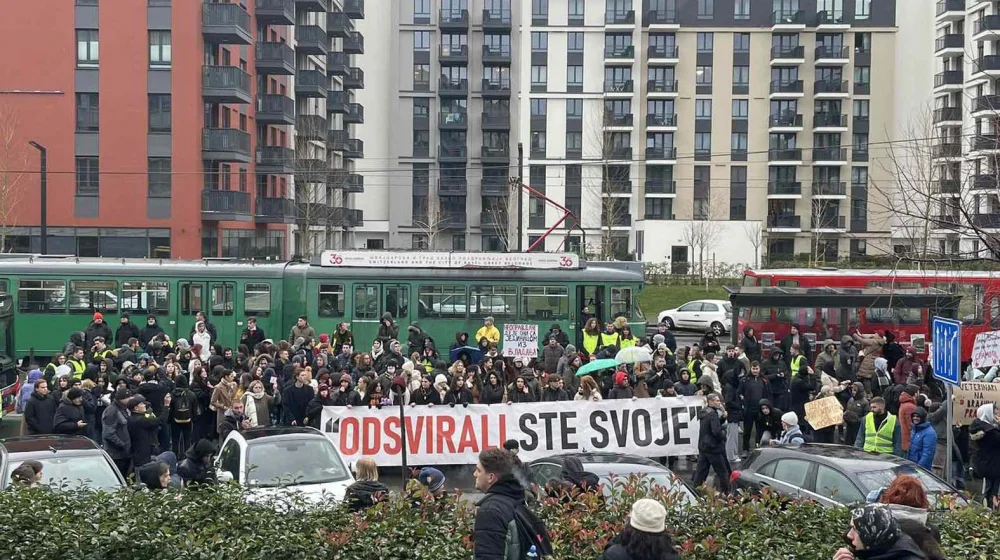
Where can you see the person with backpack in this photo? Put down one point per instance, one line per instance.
(502, 518)
(183, 410)
(644, 535)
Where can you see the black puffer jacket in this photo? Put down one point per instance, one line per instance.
(711, 435)
(771, 422)
(66, 418)
(986, 459)
(491, 394)
(364, 494)
(496, 511)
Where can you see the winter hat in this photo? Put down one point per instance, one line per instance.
(648, 516)
(661, 345)
(432, 478)
(440, 379)
(324, 338)
(97, 315)
(74, 393)
(122, 393)
(182, 344)
(790, 418)
(511, 446)
(570, 348)
(876, 526)
(621, 378)
(136, 400)
(408, 368)
(322, 387)
(144, 356)
(659, 339)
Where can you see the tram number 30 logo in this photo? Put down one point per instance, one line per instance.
(336, 259)
(565, 262)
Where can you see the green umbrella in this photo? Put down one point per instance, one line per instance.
(596, 365)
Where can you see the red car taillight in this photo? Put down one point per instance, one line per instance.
(733, 476)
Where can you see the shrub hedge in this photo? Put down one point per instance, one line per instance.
(220, 523)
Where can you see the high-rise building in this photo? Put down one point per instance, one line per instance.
(182, 129)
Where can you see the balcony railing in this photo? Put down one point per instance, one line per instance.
(950, 41)
(453, 18)
(829, 188)
(627, 51)
(661, 86)
(830, 86)
(829, 17)
(784, 154)
(493, 87)
(311, 39)
(988, 180)
(660, 17)
(612, 119)
(784, 221)
(275, 210)
(829, 154)
(225, 84)
(788, 53)
(949, 186)
(949, 78)
(453, 87)
(496, 120)
(661, 119)
(225, 23)
(984, 103)
(225, 205)
(662, 51)
(943, 114)
(496, 19)
(226, 144)
(614, 86)
(950, 6)
(831, 52)
(947, 150)
(453, 53)
(784, 188)
(275, 12)
(789, 86)
(355, 9)
(274, 109)
(661, 152)
(829, 222)
(660, 186)
(786, 119)
(619, 17)
(986, 142)
(355, 79)
(453, 119)
(986, 23)
(788, 17)
(495, 152)
(274, 58)
(829, 120)
(496, 55)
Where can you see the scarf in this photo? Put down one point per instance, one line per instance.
(250, 409)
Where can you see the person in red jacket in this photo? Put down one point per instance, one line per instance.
(907, 406)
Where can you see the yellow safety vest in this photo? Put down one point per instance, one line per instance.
(628, 342)
(590, 342)
(79, 366)
(796, 364)
(879, 440)
(691, 364)
(613, 339)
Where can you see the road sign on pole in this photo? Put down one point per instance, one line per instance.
(947, 351)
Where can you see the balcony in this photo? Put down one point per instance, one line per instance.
(454, 220)
(453, 54)
(834, 88)
(951, 44)
(828, 18)
(311, 127)
(654, 120)
(612, 120)
(613, 86)
(311, 83)
(354, 43)
(948, 114)
(949, 186)
(619, 17)
(496, 88)
(829, 120)
(270, 210)
(618, 220)
(829, 156)
(225, 206)
(946, 221)
(354, 149)
(453, 152)
(274, 59)
(777, 156)
(616, 186)
(618, 152)
(275, 12)
(453, 120)
(355, 114)
(275, 160)
(453, 185)
(986, 143)
(336, 140)
(949, 80)
(496, 184)
(788, 19)
(494, 220)
(453, 19)
(859, 154)
(275, 109)
(984, 104)
(786, 55)
(986, 27)
(661, 153)
(660, 186)
(990, 181)
(660, 17)
(337, 101)
(311, 168)
(497, 56)
(496, 121)
(313, 5)
(654, 87)
(664, 53)
(225, 144)
(345, 217)
(787, 88)
(947, 150)
(495, 154)
(225, 84)
(497, 20)
(784, 189)
(826, 54)
(785, 119)
(338, 64)
(622, 53)
(346, 181)
(311, 39)
(829, 223)
(355, 79)
(950, 10)
(829, 189)
(226, 24)
(784, 222)
(338, 25)
(453, 88)
(355, 9)
(989, 65)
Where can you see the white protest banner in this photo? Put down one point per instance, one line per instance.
(970, 396)
(442, 435)
(520, 341)
(986, 350)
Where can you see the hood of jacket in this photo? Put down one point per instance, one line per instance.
(906, 398)
(706, 411)
(985, 414)
(763, 403)
(34, 375)
(572, 471)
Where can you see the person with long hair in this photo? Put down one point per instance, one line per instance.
(644, 536)
(367, 490)
(492, 391)
(907, 500)
(588, 391)
(591, 337)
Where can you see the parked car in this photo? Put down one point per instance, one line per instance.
(833, 475)
(265, 459)
(611, 468)
(700, 315)
(463, 305)
(68, 462)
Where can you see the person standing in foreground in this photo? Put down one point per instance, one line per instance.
(875, 533)
(712, 444)
(644, 535)
(494, 477)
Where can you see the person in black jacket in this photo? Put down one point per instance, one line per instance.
(143, 426)
(295, 398)
(794, 337)
(40, 410)
(734, 414)
(710, 343)
(802, 387)
(252, 335)
(555, 392)
(768, 421)
(495, 477)
(668, 337)
(426, 394)
(149, 332)
(196, 468)
(126, 330)
(750, 344)
(346, 395)
(459, 394)
(775, 370)
(492, 391)
(69, 418)
(753, 389)
(367, 490)
(314, 410)
(184, 410)
(712, 444)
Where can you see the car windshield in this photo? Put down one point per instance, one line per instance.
(74, 473)
(293, 462)
(876, 480)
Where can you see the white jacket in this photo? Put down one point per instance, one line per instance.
(205, 340)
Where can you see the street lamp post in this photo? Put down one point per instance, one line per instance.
(44, 194)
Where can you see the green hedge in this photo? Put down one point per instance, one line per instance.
(220, 523)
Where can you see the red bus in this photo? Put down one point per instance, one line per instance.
(979, 310)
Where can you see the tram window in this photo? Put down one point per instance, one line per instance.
(893, 315)
(545, 302)
(222, 299)
(621, 303)
(971, 306)
(442, 301)
(87, 296)
(257, 300)
(146, 297)
(749, 280)
(995, 312)
(366, 302)
(397, 301)
(41, 296)
(3, 286)
(191, 299)
(493, 301)
(331, 300)
(787, 283)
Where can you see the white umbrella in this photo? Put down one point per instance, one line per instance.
(633, 355)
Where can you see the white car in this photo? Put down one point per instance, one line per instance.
(459, 305)
(301, 459)
(700, 315)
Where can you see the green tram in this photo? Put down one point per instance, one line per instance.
(57, 295)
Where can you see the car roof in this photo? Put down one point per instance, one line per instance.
(590, 458)
(50, 444)
(845, 457)
(274, 431)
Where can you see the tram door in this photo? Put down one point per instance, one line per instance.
(591, 297)
(371, 301)
(217, 301)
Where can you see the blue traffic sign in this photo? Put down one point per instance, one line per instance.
(947, 350)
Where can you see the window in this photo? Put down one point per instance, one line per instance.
(741, 76)
(421, 143)
(422, 40)
(496, 301)
(539, 77)
(862, 9)
(222, 293)
(705, 42)
(792, 472)
(88, 115)
(862, 43)
(442, 301)
(421, 77)
(861, 108)
(621, 303)
(257, 300)
(741, 10)
(574, 142)
(421, 11)
(158, 178)
(574, 108)
(545, 302)
(146, 297)
(575, 9)
(160, 111)
(739, 146)
(703, 76)
(159, 49)
(539, 9)
(702, 144)
(366, 301)
(539, 41)
(229, 459)
(574, 42)
(741, 108)
(41, 296)
(659, 209)
(86, 47)
(741, 42)
(88, 296)
(862, 75)
(574, 76)
(539, 107)
(458, 242)
(702, 192)
(706, 9)
(87, 176)
(538, 142)
(737, 193)
(703, 109)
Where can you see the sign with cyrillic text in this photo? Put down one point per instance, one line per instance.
(520, 341)
(444, 435)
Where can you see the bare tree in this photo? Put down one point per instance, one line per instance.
(702, 236)
(13, 161)
(612, 191)
(501, 211)
(315, 185)
(754, 231)
(432, 223)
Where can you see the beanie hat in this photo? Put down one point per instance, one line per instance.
(661, 346)
(122, 393)
(648, 516)
(324, 338)
(790, 418)
(621, 378)
(432, 478)
(408, 367)
(876, 526)
(659, 339)
(512, 445)
(74, 393)
(322, 387)
(97, 315)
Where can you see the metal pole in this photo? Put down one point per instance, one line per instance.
(43, 205)
(402, 435)
(950, 434)
(520, 196)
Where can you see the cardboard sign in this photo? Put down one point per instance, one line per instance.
(444, 435)
(825, 412)
(986, 350)
(767, 339)
(520, 341)
(970, 396)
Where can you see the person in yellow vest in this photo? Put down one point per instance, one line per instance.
(880, 431)
(489, 331)
(77, 363)
(627, 339)
(610, 337)
(796, 360)
(591, 337)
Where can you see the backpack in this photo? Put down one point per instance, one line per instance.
(525, 530)
(181, 408)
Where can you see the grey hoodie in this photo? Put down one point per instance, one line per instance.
(791, 438)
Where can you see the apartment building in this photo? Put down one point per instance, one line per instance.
(181, 129)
